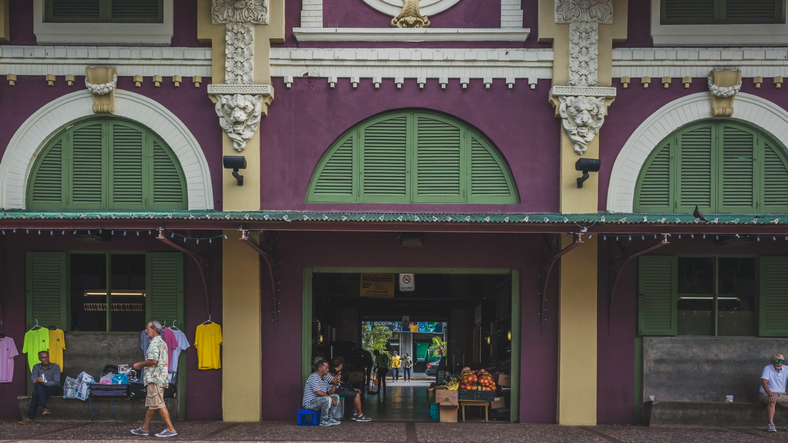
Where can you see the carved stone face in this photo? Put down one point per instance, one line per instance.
(582, 117)
(239, 116)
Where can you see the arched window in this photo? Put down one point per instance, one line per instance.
(412, 157)
(723, 167)
(109, 164)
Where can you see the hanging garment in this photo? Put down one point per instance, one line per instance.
(57, 343)
(7, 353)
(183, 344)
(35, 341)
(207, 341)
(169, 338)
(144, 343)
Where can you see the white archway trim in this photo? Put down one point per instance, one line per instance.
(749, 108)
(40, 127)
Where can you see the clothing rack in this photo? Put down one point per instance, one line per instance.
(116, 307)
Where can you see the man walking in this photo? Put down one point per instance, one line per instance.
(773, 380)
(155, 380)
(46, 381)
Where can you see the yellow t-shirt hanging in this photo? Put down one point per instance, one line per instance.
(57, 343)
(35, 341)
(207, 341)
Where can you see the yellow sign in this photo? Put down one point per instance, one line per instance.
(377, 285)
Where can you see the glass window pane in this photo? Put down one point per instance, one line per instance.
(696, 296)
(128, 292)
(88, 292)
(736, 297)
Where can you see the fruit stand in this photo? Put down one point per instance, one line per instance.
(471, 388)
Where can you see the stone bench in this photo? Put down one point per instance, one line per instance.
(125, 408)
(720, 414)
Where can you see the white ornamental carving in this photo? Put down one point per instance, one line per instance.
(239, 54)
(239, 116)
(587, 11)
(723, 92)
(581, 118)
(240, 11)
(583, 53)
(103, 88)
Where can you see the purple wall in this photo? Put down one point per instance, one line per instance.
(305, 120)
(638, 25)
(204, 390)
(283, 387)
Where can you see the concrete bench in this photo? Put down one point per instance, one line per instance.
(712, 414)
(124, 408)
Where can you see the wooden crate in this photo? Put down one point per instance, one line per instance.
(449, 414)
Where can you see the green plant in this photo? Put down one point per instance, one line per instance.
(376, 338)
(438, 347)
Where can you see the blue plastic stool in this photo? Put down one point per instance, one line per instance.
(307, 417)
(434, 411)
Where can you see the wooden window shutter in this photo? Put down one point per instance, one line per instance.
(680, 12)
(335, 175)
(87, 166)
(384, 160)
(773, 301)
(127, 160)
(657, 295)
(136, 11)
(169, 191)
(695, 155)
(490, 179)
(164, 281)
(775, 179)
(737, 173)
(73, 11)
(47, 288)
(439, 161)
(47, 190)
(754, 11)
(653, 190)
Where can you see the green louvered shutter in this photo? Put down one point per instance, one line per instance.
(47, 289)
(681, 12)
(490, 181)
(164, 286)
(737, 174)
(47, 189)
(73, 11)
(695, 169)
(336, 174)
(169, 191)
(384, 162)
(775, 180)
(127, 160)
(88, 166)
(774, 296)
(653, 190)
(439, 161)
(657, 295)
(754, 11)
(136, 11)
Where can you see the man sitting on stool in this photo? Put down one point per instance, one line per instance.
(319, 395)
(46, 383)
(345, 391)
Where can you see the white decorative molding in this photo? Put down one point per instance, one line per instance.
(239, 116)
(583, 53)
(715, 35)
(411, 34)
(581, 118)
(102, 33)
(239, 54)
(239, 11)
(264, 90)
(588, 91)
(696, 62)
(370, 63)
(723, 92)
(752, 109)
(588, 11)
(311, 13)
(427, 7)
(104, 88)
(511, 14)
(134, 60)
(410, 16)
(38, 129)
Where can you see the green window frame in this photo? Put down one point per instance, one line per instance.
(723, 167)
(48, 282)
(109, 164)
(412, 156)
(712, 12)
(104, 11)
(658, 295)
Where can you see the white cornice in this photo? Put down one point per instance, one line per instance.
(697, 62)
(411, 35)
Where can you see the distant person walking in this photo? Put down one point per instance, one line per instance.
(395, 364)
(382, 361)
(407, 364)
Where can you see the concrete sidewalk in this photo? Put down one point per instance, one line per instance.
(348, 431)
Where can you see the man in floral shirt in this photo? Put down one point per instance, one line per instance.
(155, 380)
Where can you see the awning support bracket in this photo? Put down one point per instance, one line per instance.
(202, 264)
(547, 269)
(271, 263)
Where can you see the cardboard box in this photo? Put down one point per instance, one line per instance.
(498, 403)
(355, 376)
(446, 397)
(449, 414)
(503, 380)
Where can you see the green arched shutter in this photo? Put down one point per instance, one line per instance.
(737, 178)
(656, 186)
(47, 289)
(657, 314)
(87, 165)
(128, 173)
(412, 157)
(169, 190)
(775, 179)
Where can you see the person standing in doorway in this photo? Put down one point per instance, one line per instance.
(46, 383)
(382, 362)
(395, 364)
(407, 364)
(155, 380)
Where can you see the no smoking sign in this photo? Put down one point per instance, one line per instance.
(406, 283)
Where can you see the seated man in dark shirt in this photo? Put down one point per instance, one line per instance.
(46, 383)
(344, 390)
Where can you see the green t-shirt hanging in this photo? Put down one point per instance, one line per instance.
(36, 341)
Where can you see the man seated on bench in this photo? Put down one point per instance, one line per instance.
(46, 383)
(773, 380)
(319, 395)
(343, 390)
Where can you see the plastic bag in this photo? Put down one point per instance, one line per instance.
(107, 378)
(120, 379)
(84, 380)
(69, 388)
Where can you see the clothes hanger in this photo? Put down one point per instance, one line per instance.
(51, 327)
(207, 321)
(173, 327)
(36, 326)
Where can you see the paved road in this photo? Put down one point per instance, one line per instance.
(68, 431)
